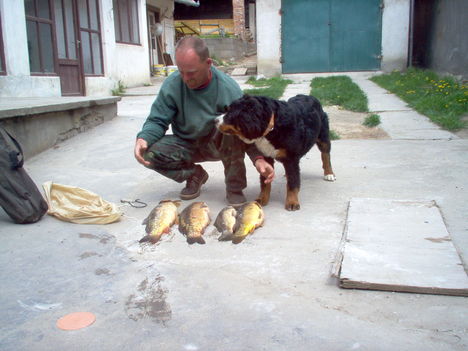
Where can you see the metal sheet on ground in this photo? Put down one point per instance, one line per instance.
(401, 246)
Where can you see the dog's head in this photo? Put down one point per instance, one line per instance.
(249, 118)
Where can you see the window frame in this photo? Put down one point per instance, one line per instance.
(2, 50)
(118, 15)
(91, 31)
(51, 22)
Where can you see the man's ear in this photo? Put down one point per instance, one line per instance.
(209, 61)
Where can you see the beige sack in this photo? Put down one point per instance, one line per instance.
(73, 204)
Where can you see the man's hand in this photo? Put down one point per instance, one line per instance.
(265, 169)
(141, 146)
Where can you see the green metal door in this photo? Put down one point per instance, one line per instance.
(305, 34)
(331, 35)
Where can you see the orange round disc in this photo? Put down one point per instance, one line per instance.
(76, 320)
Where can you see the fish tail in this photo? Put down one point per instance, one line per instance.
(195, 239)
(153, 239)
(237, 239)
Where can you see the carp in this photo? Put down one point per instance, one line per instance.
(225, 222)
(160, 220)
(193, 221)
(250, 216)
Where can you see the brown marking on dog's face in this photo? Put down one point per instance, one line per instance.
(229, 129)
(292, 200)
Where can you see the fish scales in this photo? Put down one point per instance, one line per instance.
(193, 221)
(160, 220)
(250, 216)
(225, 222)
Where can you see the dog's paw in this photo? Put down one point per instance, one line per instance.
(329, 177)
(292, 206)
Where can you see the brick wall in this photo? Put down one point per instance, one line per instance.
(239, 18)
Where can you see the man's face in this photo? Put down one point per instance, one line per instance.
(194, 72)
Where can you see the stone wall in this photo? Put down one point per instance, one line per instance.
(40, 128)
(230, 49)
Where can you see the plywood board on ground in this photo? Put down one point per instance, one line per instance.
(400, 245)
(239, 71)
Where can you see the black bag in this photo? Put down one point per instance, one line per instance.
(19, 196)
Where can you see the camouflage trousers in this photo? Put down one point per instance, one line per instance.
(175, 158)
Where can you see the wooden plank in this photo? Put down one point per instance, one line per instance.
(400, 246)
(239, 71)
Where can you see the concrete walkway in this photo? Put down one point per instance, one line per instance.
(271, 292)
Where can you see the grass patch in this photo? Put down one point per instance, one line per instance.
(334, 135)
(442, 99)
(119, 90)
(219, 62)
(372, 120)
(339, 90)
(272, 87)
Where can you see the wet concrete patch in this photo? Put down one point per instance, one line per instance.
(88, 254)
(102, 238)
(149, 301)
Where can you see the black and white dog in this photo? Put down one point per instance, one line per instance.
(283, 131)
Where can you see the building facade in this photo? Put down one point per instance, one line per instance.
(331, 35)
(80, 47)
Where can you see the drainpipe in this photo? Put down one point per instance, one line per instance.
(194, 3)
(409, 62)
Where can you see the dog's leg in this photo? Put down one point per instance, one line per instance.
(265, 189)
(293, 177)
(324, 147)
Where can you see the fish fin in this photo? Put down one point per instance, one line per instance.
(148, 228)
(153, 239)
(195, 239)
(225, 236)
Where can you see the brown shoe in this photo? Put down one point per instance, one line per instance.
(194, 183)
(235, 198)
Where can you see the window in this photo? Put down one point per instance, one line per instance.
(40, 41)
(2, 56)
(90, 34)
(126, 21)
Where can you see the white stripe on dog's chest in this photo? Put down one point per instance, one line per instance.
(266, 147)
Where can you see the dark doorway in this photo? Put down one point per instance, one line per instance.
(69, 60)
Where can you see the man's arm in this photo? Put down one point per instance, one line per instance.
(141, 146)
(263, 167)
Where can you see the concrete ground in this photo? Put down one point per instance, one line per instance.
(271, 292)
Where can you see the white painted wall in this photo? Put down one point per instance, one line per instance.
(128, 64)
(395, 32)
(268, 37)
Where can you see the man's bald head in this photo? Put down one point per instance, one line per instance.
(193, 43)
